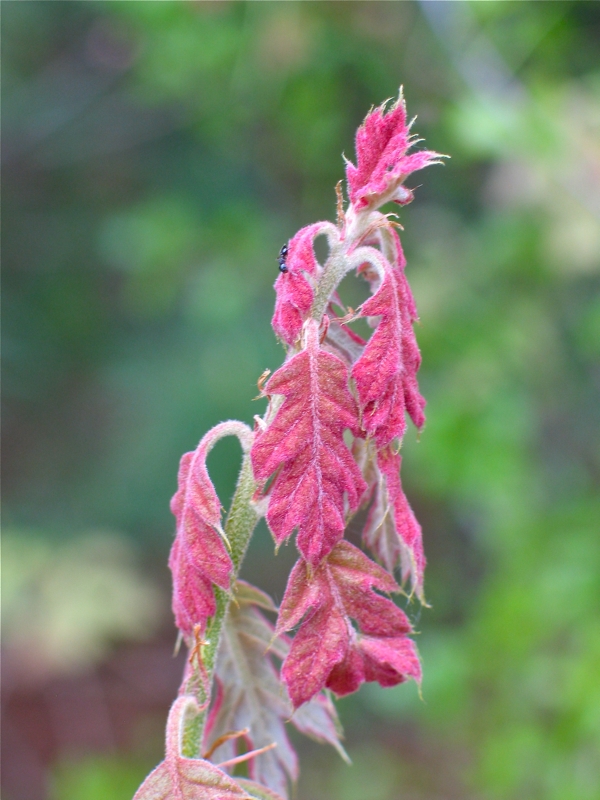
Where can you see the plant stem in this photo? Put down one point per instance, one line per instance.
(338, 263)
(240, 524)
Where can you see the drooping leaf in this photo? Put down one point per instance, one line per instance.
(389, 660)
(198, 557)
(386, 372)
(305, 443)
(251, 695)
(391, 530)
(193, 599)
(179, 778)
(327, 650)
(318, 719)
(382, 162)
(294, 290)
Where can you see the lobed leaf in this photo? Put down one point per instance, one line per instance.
(305, 446)
(386, 372)
(198, 557)
(391, 530)
(382, 162)
(327, 651)
(251, 698)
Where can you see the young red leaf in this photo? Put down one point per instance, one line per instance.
(193, 595)
(327, 650)
(305, 443)
(392, 531)
(198, 557)
(321, 642)
(295, 292)
(386, 372)
(387, 660)
(382, 164)
(180, 778)
(252, 697)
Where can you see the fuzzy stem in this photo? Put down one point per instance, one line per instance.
(334, 271)
(338, 263)
(240, 524)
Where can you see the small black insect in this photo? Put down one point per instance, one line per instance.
(281, 259)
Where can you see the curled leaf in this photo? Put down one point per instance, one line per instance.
(295, 290)
(392, 531)
(199, 557)
(386, 372)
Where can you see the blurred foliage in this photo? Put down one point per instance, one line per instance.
(97, 779)
(157, 154)
(63, 607)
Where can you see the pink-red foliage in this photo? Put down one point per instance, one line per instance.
(382, 162)
(198, 557)
(305, 446)
(329, 441)
(327, 650)
(294, 289)
(386, 372)
(251, 697)
(391, 530)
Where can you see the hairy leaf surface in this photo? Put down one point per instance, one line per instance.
(327, 650)
(180, 778)
(198, 557)
(305, 443)
(294, 290)
(392, 531)
(196, 779)
(386, 372)
(382, 162)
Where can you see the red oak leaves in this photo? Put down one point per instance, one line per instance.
(294, 290)
(381, 160)
(327, 650)
(326, 443)
(198, 556)
(386, 372)
(180, 778)
(392, 531)
(196, 779)
(305, 445)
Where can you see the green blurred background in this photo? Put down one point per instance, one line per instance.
(156, 155)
